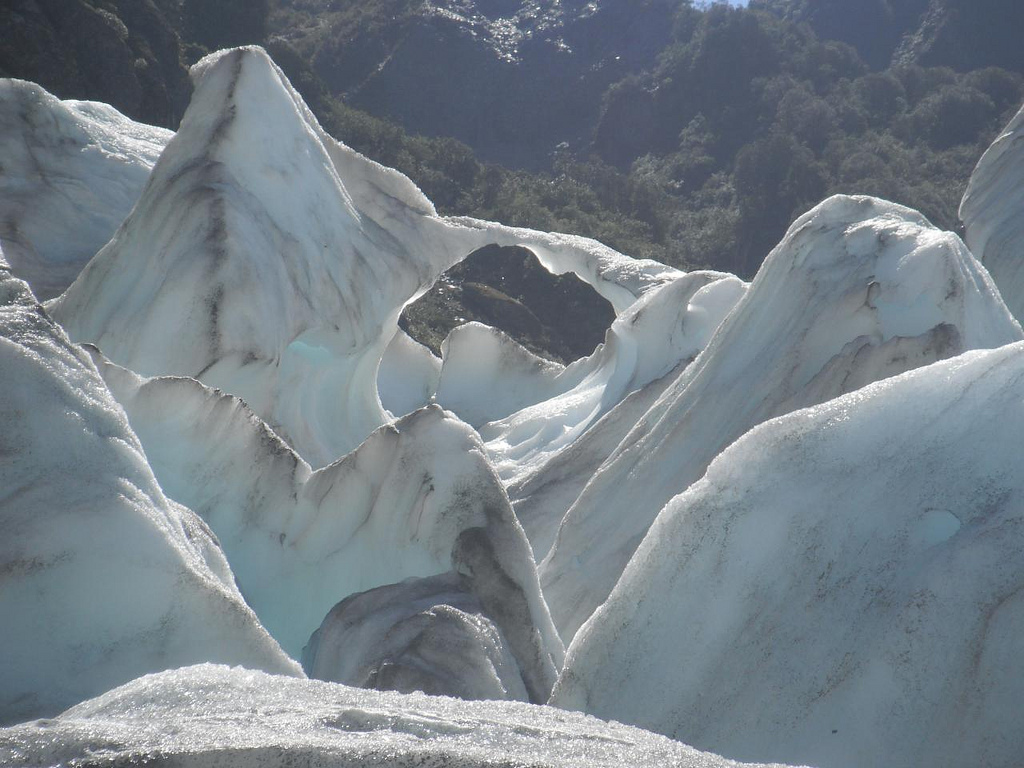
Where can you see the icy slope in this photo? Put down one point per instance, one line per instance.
(267, 259)
(210, 716)
(843, 587)
(415, 497)
(72, 170)
(103, 578)
(992, 213)
(859, 289)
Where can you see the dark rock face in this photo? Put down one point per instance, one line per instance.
(511, 79)
(123, 52)
(555, 316)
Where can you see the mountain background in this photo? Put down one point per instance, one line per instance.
(689, 133)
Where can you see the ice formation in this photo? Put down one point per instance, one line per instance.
(842, 588)
(859, 289)
(992, 213)
(72, 170)
(542, 497)
(268, 260)
(250, 264)
(103, 578)
(214, 717)
(432, 635)
(414, 496)
(408, 375)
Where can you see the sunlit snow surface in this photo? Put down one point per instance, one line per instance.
(71, 171)
(215, 717)
(843, 588)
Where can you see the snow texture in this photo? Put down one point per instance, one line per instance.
(268, 260)
(414, 498)
(431, 635)
(102, 578)
(992, 211)
(842, 588)
(859, 289)
(215, 717)
(72, 170)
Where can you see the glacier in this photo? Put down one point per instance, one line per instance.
(102, 578)
(777, 520)
(72, 170)
(842, 587)
(858, 289)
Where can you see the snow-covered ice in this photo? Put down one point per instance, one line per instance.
(102, 578)
(215, 717)
(72, 170)
(992, 211)
(859, 289)
(842, 588)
